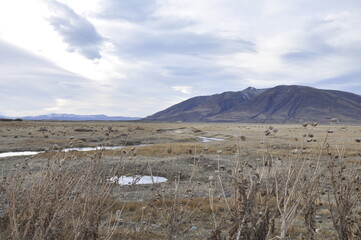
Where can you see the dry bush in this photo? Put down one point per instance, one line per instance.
(344, 197)
(65, 200)
(252, 214)
(312, 183)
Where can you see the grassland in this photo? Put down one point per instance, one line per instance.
(261, 182)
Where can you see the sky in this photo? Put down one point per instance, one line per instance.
(137, 57)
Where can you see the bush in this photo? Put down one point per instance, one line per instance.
(62, 201)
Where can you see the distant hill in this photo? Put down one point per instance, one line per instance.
(74, 117)
(8, 119)
(281, 104)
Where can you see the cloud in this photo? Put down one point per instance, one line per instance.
(347, 82)
(30, 83)
(184, 71)
(183, 89)
(135, 57)
(60, 103)
(143, 44)
(130, 10)
(80, 35)
(310, 47)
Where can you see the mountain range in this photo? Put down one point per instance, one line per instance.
(74, 117)
(280, 104)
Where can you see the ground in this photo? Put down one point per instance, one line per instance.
(200, 191)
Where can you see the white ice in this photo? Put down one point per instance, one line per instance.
(17, 154)
(86, 149)
(83, 149)
(131, 180)
(207, 139)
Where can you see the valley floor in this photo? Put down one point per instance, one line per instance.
(224, 180)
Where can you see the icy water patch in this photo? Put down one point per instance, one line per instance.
(207, 139)
(135, 180)
(86, 149)
(83, 149)
(17, 154)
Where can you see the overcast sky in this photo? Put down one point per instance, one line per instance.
(137, 57)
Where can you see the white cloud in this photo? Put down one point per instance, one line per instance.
(60, 103)
(183, 89)
(76, 31)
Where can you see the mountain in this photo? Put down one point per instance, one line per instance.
(203, 107)
(281, 104)
(74, 117)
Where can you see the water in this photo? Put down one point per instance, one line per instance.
(207, 139)
(86, 149)
(135, 180)
(83, 149)
(17, 154)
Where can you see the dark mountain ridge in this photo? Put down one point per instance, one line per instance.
(281, 104)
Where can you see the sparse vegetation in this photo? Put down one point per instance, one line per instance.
(260, 183)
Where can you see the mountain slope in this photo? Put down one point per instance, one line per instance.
(204, 107)
(281, 104)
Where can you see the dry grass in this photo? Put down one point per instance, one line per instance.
(294, 183)
(62, 201)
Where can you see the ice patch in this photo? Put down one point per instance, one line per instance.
(207, 139)
(135, 180)
(86, 149)
(83, 149)
(17, 154)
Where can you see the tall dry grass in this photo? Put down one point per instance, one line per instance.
(65, 200)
